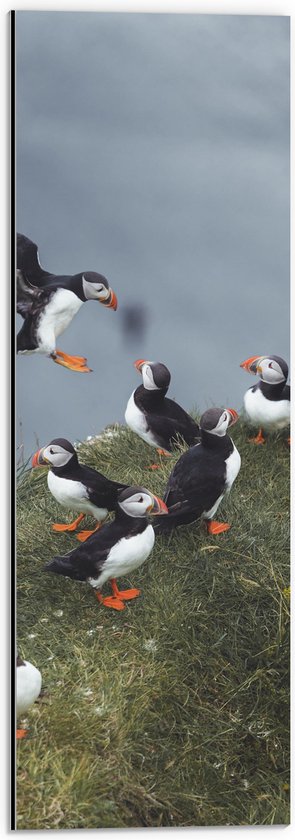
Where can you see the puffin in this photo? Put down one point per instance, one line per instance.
(203, 475)
(76, 486)
(159, 421)
(48, 302)
(117, 549)
(267, 404)
(28, 687)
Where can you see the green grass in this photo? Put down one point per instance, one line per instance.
(175, 711)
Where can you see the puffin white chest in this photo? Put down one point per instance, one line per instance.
(232, 468)
(67, 492)
(28, 686)
(136, 421)
(233, 464)
(128, 554)
(73, 495)
(56, 317)
(272, 414)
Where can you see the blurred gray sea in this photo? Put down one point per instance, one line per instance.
(154, 149)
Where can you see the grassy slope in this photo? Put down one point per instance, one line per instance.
(176, 710)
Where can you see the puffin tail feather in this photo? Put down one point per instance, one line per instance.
(59, 565)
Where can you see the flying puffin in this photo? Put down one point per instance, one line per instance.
(158, 420)
(203, 475)
(267, 404)
(75, 486)
(117, 549)
(28, 687)
(48, 303)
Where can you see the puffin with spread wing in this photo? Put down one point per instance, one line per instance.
(48, 303)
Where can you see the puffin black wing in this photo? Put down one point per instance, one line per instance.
(286, 394)
(30, 299)
(30, 303)
(79, 564)
(28, 261)
(173, 422)
(194, 485)
(86, 560)
(101, 490)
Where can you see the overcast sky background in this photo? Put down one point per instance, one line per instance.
(155, 150)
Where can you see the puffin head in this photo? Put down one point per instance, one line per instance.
(96, 287)
(138, 501)
(216, 421)
(58, 453)
(155, 375)
(271, 369)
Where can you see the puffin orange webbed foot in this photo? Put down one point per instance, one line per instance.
(153, 467)
(71, 526)
(214, 527)
(110, 601)
(76, 363)
(84, 535)
(258, 439)
(21, 733)
(125, 594)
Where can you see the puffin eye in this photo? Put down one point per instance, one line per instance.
(270, 365)
(141, 499)
(51, 451)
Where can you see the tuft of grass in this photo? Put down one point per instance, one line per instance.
(175, 711)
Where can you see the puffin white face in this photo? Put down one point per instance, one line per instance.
(56, 455)
(270, 371)
(138, 501)
(222, 425)
(147, 378)
(137, 505)
(53, 455)
(94, 289)
(216, 422)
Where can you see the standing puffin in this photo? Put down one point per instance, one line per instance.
(117, 549)
(203, 475)
(75, 486)
(48, 303)
(28, 687)
(156, 419)
(267, 404)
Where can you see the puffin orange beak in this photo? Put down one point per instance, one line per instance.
(139, 363)
(111, 302)
(35, 462)
(158, 506)
(234, 415)
(38, 460)
(251, 364)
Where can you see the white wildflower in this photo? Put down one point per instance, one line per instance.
(150, 644)
(99, 710)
